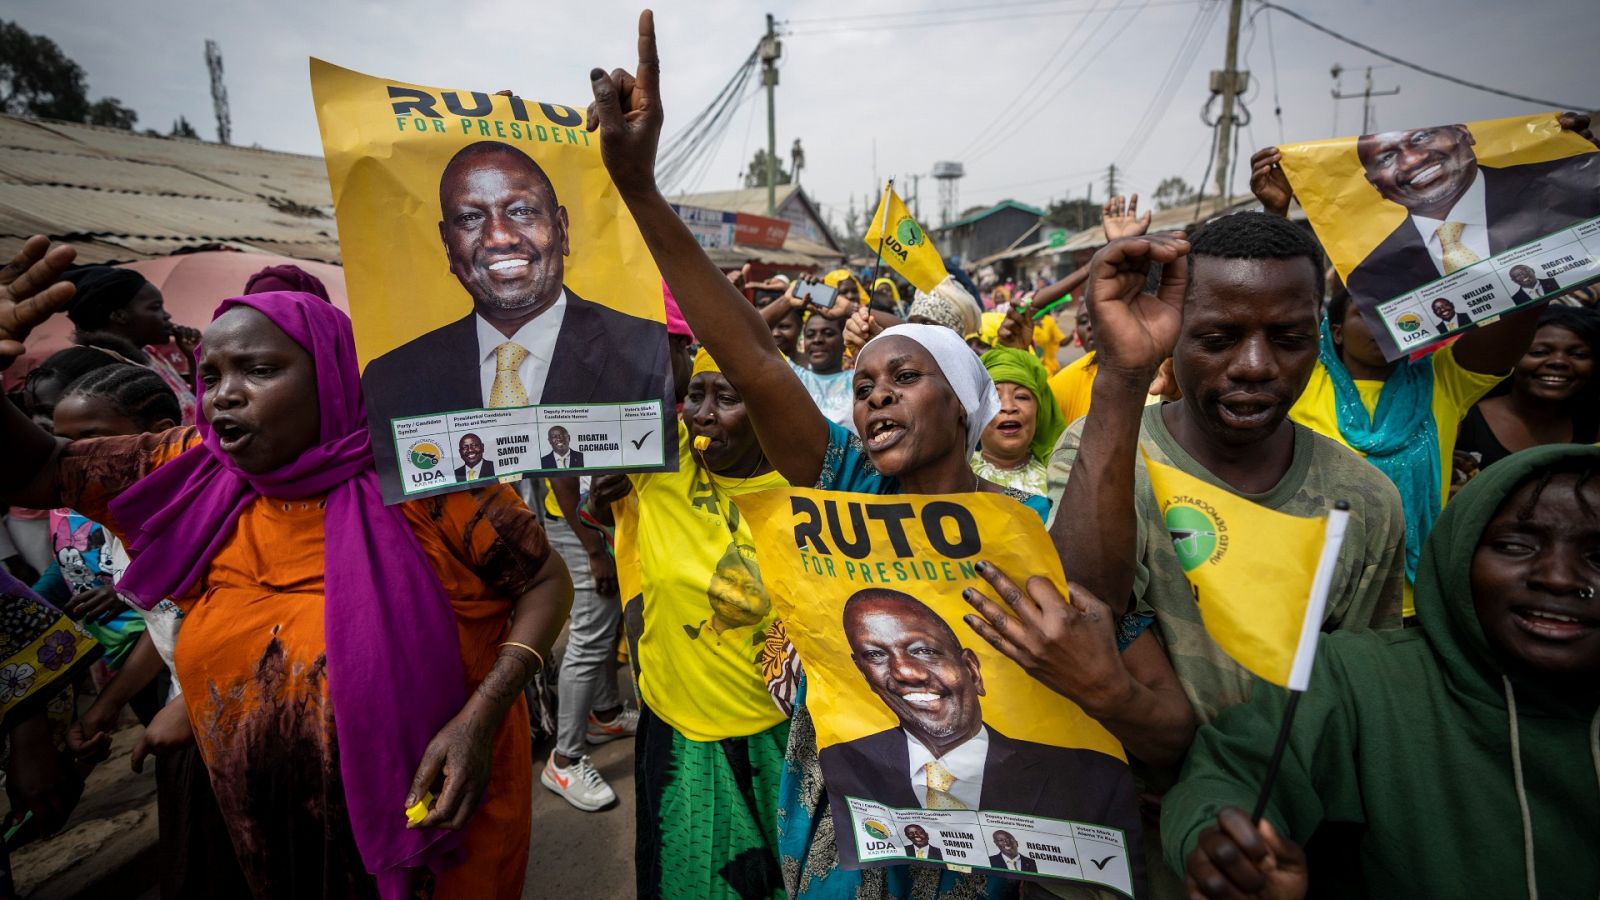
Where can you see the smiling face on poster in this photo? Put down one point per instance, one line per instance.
(498, 287)
(1442, 228)
(933, 745)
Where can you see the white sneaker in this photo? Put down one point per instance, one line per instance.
(626, 724)
(580, 784)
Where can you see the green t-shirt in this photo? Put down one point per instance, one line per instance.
(1366, 588)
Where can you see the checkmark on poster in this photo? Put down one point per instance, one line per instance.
(640, 442)
(1100, 864)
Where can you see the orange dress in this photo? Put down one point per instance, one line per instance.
(250, 656)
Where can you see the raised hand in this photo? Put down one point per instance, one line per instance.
(1135, 330)
(1577, 123)
(1234, 858)
(627, 112)
(1119, 218)
(1016, 329)
(1268, 182)
(31, 292)
(1069, 647)
(858, 329)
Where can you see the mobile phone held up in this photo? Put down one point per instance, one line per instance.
(817, 294)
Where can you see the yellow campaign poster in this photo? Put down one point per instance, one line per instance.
(934, 746)
(1442, 228)
(905, 246)
(508, 317)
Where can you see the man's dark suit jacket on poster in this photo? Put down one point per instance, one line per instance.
(1547, 286)
(574, 460)
(1522, 203)
(933, 852)
(485, 470)
(1018, 777)
(1461, 320)
(1025, 864)
(601, 356)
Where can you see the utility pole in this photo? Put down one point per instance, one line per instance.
(1230, 83)
(1111, 181)
(771, 49)
(1366, 96)
(916, 196)
(219, 93)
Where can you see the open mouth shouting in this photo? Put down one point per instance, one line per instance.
(1247, 410)
(1554, 625)
(883, 433)
(232, 435)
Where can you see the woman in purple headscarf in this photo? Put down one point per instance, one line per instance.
(344, 661)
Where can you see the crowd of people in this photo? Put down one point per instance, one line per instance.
(341, 697)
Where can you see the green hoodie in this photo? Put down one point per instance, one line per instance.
(1452, 779)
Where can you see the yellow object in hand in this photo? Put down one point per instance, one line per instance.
(702, 442)
(419, 810)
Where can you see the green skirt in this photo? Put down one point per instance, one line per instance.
(707, 814)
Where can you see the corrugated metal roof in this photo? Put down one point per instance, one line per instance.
(122, 196)
(745, 200)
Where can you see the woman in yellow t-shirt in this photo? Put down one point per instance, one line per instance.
(715, 670)
(1403, 416)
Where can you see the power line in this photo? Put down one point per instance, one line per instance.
(1411, 65)
(900, 25)
(900, 16)
(1177, 70)
(1087, 63)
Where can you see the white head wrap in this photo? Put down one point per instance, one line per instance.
(950, 305)
(961, 368)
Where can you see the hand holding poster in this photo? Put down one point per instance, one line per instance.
(508, 317)
(1438, 229)
(933, 745)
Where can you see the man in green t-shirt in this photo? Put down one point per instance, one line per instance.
(1237, 309)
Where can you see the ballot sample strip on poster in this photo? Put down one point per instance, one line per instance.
(508, 317)
(1436, 230)
(935, 747)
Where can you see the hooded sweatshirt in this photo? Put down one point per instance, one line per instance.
(1450, 776)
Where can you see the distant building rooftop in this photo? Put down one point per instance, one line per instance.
(119, 196)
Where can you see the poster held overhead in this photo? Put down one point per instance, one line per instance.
(508, 317)
(1438, 229)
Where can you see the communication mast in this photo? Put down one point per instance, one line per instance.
(948, 174)
(219, 93)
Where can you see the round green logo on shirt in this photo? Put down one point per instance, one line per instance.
(1194, 535)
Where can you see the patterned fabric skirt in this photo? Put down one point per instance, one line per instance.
(707, 813)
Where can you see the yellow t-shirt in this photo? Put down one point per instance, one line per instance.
(1074, 387)
(1455, 390)
(1047, 337)
(706, 613)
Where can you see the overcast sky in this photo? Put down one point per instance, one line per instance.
(1035, 97)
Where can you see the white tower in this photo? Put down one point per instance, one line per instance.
(948, 175)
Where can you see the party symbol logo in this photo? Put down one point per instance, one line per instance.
(1194, 535)
(425, 455)
(876, 829)
(1409, 322)
(909, 234)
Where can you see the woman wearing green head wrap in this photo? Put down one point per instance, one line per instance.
(1459, 759)
(1016, 444)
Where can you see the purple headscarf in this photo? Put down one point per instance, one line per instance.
(394, 672)
(286, 278)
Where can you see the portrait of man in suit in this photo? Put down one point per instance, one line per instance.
(561, 455)
(919, 847)
(1460, 212)
(1009, 857)
(528, 338)
(1449, 319)
(1529, 285)
(941, 754)
(473, 465)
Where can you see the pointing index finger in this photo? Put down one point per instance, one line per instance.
(649, 63)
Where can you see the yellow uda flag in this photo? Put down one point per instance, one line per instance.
(1251, 567)
(906, 247)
